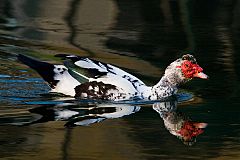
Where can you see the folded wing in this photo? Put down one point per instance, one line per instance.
(87, 68)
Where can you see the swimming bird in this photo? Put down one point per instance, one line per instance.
(85, 78)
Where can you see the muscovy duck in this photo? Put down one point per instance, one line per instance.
(85, 78)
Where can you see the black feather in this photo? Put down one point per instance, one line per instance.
(46, 70)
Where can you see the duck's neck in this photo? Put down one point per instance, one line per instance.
(167, 86)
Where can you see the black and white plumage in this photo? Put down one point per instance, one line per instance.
(85, 78)
(57, 76)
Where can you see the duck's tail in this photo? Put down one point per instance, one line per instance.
(46, 70)
(57, 76)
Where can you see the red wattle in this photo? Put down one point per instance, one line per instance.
(189, 69)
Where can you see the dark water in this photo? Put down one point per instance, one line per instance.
(142, 37)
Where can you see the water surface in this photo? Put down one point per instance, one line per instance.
(142, 37)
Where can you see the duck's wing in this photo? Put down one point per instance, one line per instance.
(88, 68)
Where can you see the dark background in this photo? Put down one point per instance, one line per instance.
(141, 36)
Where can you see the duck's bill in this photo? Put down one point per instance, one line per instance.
(200, 125)
(201, 75)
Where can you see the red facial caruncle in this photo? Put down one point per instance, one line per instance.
(191, 129)
(191, 70)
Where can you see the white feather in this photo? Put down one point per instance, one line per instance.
(66, 82)
(87, 63)
(111, 70)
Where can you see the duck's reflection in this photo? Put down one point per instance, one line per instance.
(83, 116)
(179, 124)
(175, 122)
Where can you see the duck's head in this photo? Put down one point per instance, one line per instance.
(184, 69)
